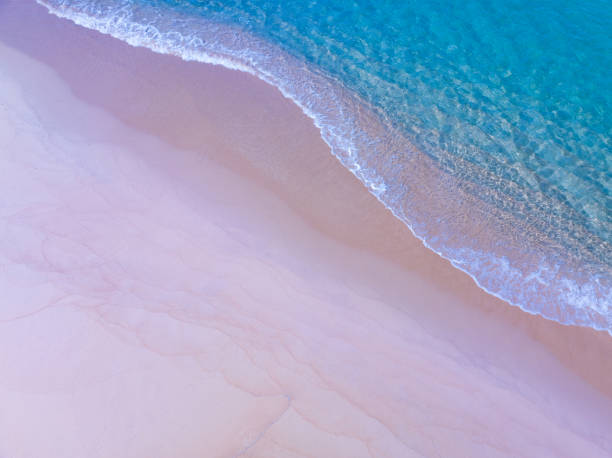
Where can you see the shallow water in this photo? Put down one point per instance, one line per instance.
(484, 126)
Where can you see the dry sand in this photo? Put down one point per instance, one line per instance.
(186, 271)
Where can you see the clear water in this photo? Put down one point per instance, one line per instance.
(484, 125)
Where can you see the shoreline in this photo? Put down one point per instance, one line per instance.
(518, 269)
(246, 126)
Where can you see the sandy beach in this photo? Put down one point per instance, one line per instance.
(186, 271)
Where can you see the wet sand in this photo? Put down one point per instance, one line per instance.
(187, 271)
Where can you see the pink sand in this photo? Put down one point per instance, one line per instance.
(186, 271)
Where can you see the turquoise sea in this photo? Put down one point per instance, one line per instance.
(485, 126)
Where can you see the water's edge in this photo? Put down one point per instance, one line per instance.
(354, 132)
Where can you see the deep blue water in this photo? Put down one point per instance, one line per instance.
(484, 125)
